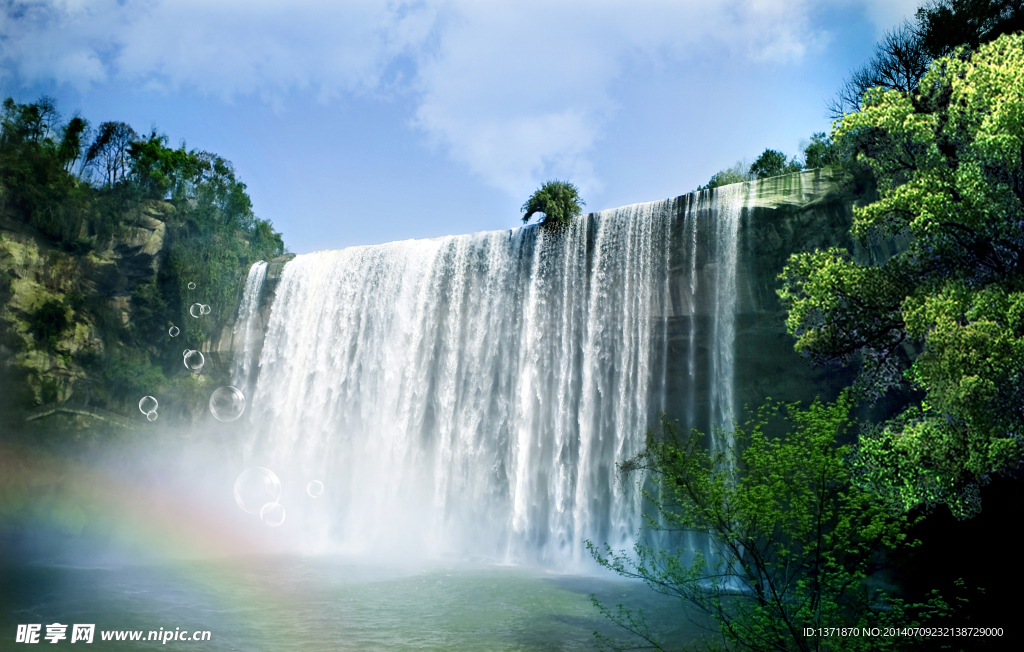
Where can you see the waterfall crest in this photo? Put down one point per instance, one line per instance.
(474, 393)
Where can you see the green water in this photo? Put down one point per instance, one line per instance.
(312, 604)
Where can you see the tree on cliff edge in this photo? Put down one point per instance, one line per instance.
(559, 201)
(946, 315)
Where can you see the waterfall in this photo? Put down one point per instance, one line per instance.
(474, 393)
(728, 208)
(247, 326)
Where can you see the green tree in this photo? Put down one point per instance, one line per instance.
(559, 201)
(738, 173)
(34, 169)
(948, 162)
(159, 171)
(791, 540)
(821, 152)
(70, 149)
(772, 163)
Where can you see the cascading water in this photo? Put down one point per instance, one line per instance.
(474, 393)
(730, 204)
(247, 328)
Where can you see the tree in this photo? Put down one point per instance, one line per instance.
(821, 152)
(70, 149)
(158, 170)
(899, 62)
(35, 169)
(738, 173)
(559, 201)
(942, 25)
(110, 151)
(946, 314)
(772, 163)
(791, 539)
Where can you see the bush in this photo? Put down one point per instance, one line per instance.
(48, 322)
(792, 539)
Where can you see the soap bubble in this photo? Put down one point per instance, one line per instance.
(191, 286)
(315, 488)
(173, 331)
(256, 487)
(185, 353)
(151, 415)
(194, 360)
(196, 310)
(272, 514)
(205, 309)
(148, 404)
(227, 403)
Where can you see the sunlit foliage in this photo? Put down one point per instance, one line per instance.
(948, 162)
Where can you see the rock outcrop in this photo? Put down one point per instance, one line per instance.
(34, 271)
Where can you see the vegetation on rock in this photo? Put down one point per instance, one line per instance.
(184, 212)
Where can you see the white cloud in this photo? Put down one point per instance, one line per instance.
(516, 90)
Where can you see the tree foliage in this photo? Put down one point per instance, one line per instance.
(211, 238)
(738, 173)
(898, 63)
(559, 201)
(34, 168)
(950, 173)
(822, 152)
(943, 25)
(791, 539)
(110, 152)
(772, 163)
(903, 55)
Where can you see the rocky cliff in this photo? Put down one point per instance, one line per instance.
(34, 271)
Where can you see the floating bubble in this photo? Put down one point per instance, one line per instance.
(315, 488)
(191, 286)
(205, 309)
(148, 404)
(227, 403)
(196, 310)
(173, 331)
(256, 487)
(194, 360)
(272, 514)
(151, 415)
(185, 353)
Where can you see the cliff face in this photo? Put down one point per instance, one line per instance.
(787, 214)
(33, 271)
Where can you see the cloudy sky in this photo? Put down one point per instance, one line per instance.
(367, 121)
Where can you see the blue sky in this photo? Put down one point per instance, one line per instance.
(370, 121)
